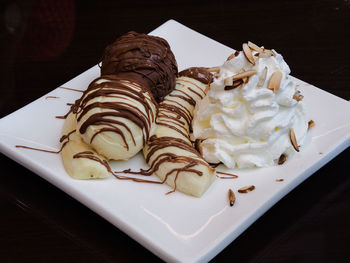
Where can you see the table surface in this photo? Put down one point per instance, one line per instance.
(46, 43)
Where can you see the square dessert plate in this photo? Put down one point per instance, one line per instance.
(175, 227)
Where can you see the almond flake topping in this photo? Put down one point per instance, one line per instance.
(231, 197)
(275, 81)
(297, 96)
(262, 78)
(244, 74)
(264, 55)
(246, 189)
(248, 53)
(228, 81)
(311, 124)
(233, 55)
(282, 159)
(255, 47)
(293, 139)
(269, 51)
(207, 88)
(213, 69)
(235, 84)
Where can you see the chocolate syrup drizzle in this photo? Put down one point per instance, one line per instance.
(176, 115)
(172, 112)
(199, 73)
(63, 140)
(131, 93)
(159, 70)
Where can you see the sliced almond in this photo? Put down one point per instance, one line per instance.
(311, 124)
(244, 74)
(207, 88)
(231, 197)
(228, 81)
(255, 47)
(213, 69)
(282, 159)
(262, 78)
(269, 51)
(275, 81)
(264, 55)
(233, 55)
(297, 96)
(235, 84)
(293, 139)
(248, 53)
(246, 189)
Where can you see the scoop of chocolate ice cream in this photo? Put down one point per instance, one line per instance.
(149, 57)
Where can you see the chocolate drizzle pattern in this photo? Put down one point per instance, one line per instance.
(198, 73)
(137, 71)
(134, 102)
(176, 113)
(173, 113)
(63, 140)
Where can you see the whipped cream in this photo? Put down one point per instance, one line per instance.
(249, 125)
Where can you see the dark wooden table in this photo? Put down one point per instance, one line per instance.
(46, 43)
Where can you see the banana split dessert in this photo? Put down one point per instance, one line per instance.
(245, 113)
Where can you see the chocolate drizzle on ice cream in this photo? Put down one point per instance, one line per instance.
(150, 57)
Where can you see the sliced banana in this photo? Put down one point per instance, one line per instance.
(79, 159)
(169, 152)
(116, 116)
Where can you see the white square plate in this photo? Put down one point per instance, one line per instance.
(175, 227)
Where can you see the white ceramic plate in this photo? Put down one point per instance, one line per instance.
(175, 227)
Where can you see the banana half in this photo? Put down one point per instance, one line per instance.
(113, 119)
(169, 152)
(116, 116)
(80, 160)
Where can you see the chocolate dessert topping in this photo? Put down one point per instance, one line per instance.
(199, 73)
(149, 57)
(228, 175)
(116, 87)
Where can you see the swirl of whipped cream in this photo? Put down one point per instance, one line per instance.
(248, 126)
